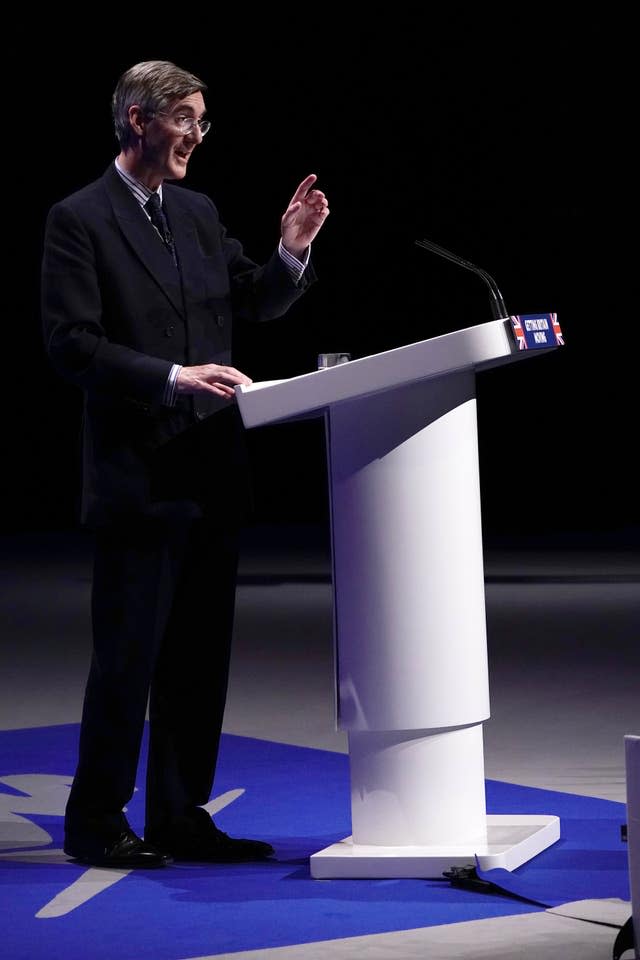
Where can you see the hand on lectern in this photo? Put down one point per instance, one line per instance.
(210, 378)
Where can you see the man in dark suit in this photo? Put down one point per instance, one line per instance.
(140, 287)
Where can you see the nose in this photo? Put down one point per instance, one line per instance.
(195, 133)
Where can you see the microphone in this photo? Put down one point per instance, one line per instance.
(497, 303)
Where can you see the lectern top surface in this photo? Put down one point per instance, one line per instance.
(472, 348)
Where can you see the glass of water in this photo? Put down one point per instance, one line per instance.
(326, 360)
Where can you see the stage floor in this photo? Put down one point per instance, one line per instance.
(564, 654)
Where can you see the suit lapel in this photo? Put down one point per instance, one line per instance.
(142, 238)
(185, 238)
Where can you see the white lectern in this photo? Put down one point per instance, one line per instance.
(409, 614)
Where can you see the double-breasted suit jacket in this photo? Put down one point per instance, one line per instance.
(118, 313)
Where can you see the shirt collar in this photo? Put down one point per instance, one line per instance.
(138, 189)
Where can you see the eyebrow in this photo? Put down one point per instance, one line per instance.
(191, 110)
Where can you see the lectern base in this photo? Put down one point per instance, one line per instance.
(511, 841)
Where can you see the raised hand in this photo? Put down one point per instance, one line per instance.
(303, 218)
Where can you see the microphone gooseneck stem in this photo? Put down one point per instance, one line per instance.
(498, 307)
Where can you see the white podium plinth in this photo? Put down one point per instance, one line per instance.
(409, 615)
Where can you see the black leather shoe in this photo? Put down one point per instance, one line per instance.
(126, 852)
(201, 841)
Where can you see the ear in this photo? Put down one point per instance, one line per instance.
(136, 119)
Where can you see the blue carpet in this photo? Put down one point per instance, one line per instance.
(294, 797)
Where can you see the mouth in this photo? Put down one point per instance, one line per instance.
(183, 155)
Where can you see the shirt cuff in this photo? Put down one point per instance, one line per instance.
(295, 267)
(169, 397)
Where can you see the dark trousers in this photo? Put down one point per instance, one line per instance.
(162, 611)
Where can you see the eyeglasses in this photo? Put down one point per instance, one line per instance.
(186, 125)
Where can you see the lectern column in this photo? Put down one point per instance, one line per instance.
(410, 631)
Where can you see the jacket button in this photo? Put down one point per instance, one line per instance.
(169, 331)
(220, 320)
(200, 414)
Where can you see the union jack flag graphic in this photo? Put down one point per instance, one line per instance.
(518, 333)
(556, 329)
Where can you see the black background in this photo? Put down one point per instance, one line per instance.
(494, 139)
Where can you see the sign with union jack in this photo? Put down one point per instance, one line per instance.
(533, 331)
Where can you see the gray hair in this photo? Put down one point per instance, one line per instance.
(153, 85)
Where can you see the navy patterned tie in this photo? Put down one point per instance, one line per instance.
(158, 219)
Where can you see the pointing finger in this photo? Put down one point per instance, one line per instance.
(301, 191)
